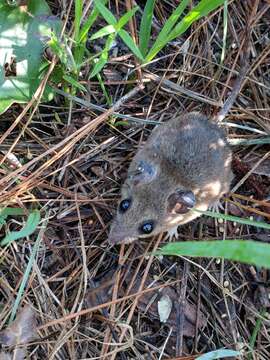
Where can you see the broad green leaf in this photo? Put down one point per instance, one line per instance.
(125, 18)
(21, 43)
(219, 354)
(105, 12)
(130, 43)
(240, 220)
(107, 30)
(29, 227)
(74, 82)
(145, 27)
(246, 251)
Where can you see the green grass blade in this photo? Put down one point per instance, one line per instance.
(125, 18)
(146, 25)
(248, 142)
(28, 229)
(202, 9)
(78, 16)
(74, 82)
(130, 43)
(11, 211)
(219, 354)
(88, 24)
(225, 31)
(162, 38)
(255, 333)
(103, 57)
(105, 12)
(27, 272)
(258, 224)
(245, 251)
(107, 30)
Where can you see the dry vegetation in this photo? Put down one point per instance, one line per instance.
(94, 301)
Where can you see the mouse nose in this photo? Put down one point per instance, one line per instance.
(120, 238)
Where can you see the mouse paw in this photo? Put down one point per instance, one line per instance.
(216, 207)
(172, 233)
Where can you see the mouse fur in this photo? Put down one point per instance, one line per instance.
(185, 163)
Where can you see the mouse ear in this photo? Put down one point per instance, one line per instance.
(144, 173)
(181, 201)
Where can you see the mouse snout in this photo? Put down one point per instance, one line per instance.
(120, 237)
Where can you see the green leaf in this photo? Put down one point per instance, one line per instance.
(105, 12)
(74, 82)
(111, 20)
(4, 213)
(202, 9)
(107, 30)
(78, 16)
(89, 22)
(162, 38)
(246, 251)
(11, 211)
(103, 57)
(145, 27)
(244, 221)
(130, 43)
(30, 226)
(33, 253)
(21, 44)
(219, 354)
(125, 18)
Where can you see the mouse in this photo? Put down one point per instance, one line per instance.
(184, 165)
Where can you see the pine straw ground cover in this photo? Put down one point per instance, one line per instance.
(94, 301)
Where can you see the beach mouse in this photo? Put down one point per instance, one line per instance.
(184, 164)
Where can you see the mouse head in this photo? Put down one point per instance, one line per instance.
(150, 203)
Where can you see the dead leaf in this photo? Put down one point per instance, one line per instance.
(20, 332)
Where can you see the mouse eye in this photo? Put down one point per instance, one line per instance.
(124, 205)
(147, 227)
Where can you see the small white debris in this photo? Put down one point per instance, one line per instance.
(226, 283)
(164, 308)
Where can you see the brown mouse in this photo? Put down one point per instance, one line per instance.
(185, 164)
